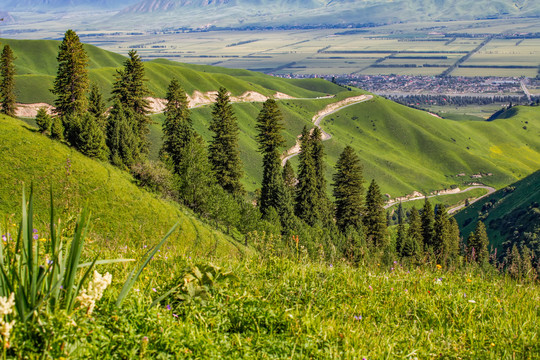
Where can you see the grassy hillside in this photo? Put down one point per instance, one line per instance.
(36, 67)
(509, 214)
(122, 212)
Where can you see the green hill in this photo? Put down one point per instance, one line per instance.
(122, 212)
(36, 67)
(512, 213)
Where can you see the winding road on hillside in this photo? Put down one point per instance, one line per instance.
(329, 110)
(490, 190)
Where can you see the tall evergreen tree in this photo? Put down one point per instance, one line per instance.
(375, 217)
(414, 245)
(96, 106)
(441, 233)
(324, 206)
(401, 239)
(307, 207)
(43, 120)
(71, 81)
(454, 240)
(57, 129)
(427, 219)
(92, 138)
(121, 140)
(269, 126)
(479, 242)
(348, 190)
(177, 127)
(7, 86)
(223, 150)
(130, 89)
(289, 178)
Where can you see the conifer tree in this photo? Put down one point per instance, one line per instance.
(71, 81)
(479, 242)
(269, 126)
(223, 150)
(441, 233)
(513, 260)
(401, 239)
(57, 129)
(427, 219)
(43, 120)
(414, 244)
(177, 127)
(121, 140)
(454, 240)
(289, 178)
(324, 206)
(306, 191)
(375, 217)
(96, 106)
(92, 138)
(7, 86)
(130, 89)
(348, 190)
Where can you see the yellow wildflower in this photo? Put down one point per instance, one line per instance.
(439, 267)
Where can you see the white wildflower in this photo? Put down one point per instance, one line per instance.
(96, 287)
(472, 301)
(7, 304)
(5, 329)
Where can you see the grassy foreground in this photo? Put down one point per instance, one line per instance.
(276, 308)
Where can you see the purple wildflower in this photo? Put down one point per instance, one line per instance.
(168, 306)
(154, 290)
(358, 318)
(34, 231)
(36, 236)
(370, 288)
(4, 238)
(176, 316)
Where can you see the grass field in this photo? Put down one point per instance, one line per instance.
(446, 200)
(122, 212)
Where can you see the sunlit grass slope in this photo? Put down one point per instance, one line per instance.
(36, 67)
(123, 214)
(513, 208)
(406, 149)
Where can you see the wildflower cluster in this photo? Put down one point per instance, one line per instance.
(6, 308)
(96, 287)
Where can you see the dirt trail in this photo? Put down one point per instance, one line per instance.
(490, 190)
(328, 110)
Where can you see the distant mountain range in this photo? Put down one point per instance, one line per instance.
(154, 14)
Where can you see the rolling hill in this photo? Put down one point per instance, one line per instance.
(122, 213)
(511, 214)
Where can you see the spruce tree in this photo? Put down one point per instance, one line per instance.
(289, 178)
(57, 129)
(130, 89)
(269, 126)
(71, 81)
(223, 149)
(348, 190)
(441, 234)
(375, 217)
(414, 245)
(454, 240)
(92, 138)
(7, 86)
(401, 239)
(514, 262)
(479, 242)
(427, 226)
(97, 107)
(307, 207)
(121, 140)
(43, 120)
(324, 206)
(177, 127)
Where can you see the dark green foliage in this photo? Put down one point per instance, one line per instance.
(121, 140)
(43, 120)
(348, 190)
(269, 126)
(155, 177)
(7, 85)
(71, 81)
(478, 243)
(454, 240)
(355, 248)
(401, 239)
(414, 245)
(97, 107)
(57, 128)
(177, 127)
(375, 218)
(72, 128)
(513, 262)
(223, 149)
(289, 178)
(325, 211)
(427, 226)
(441, 233)
(130, 89)
(307, 207)
(92, 138)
